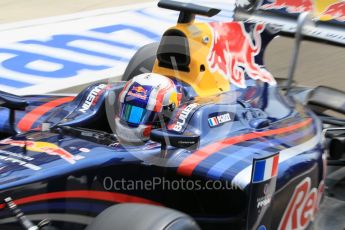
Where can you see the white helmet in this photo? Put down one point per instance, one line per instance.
(141, 101)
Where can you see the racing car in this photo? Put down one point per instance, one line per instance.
(205, 114)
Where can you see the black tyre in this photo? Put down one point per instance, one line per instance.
(142, 61)
(142, 217)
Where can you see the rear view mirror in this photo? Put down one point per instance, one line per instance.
(166, 138)
(13, 103)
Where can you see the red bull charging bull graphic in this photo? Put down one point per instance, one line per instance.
(43, 147)
(330, 10)
(138, 92)
(335, 11)
(235, 58)
(291, 6)
(284, 13)
(139, 89)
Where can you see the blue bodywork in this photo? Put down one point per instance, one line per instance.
(89, 169)
(71, 168)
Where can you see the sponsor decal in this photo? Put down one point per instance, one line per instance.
(291, 6)
(265, 200)
(242, 3)
(235, 58)
(325, 11)
(182, 117)
(317, 31)
(303, 206)
(217, 120)
(44, 147)
(138, 92)
(139, 89)
(93, 97)
(16, 158)
(265, 169)
(335, 11)
(84, 150)
(262, 189)
(262, 227)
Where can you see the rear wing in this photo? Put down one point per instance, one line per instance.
(328, 17)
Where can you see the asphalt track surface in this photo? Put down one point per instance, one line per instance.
(319, 64)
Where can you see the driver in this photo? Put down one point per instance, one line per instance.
(146, 101)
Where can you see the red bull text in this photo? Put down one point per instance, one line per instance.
(303, 206)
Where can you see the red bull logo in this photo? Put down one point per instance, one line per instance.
(138, 92)
(43, 147)
(233, 53)
(291, 6)
(139, 89)
(303, 206)
(335, 11)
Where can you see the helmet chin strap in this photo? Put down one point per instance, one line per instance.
(138, 135)
(131, 135)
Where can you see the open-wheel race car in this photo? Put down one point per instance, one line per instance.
(205, 138)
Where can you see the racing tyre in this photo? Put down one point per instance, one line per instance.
(142, 217)
(142, 61)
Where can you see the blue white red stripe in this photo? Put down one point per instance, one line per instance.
(265, 169)
(188, 164)
(240, 156)
(213, 121)
(242, 179)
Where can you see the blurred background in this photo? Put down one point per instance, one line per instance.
(319, 64)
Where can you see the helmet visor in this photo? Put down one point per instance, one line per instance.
(134, 115)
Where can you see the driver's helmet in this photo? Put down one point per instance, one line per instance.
(145, 103)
